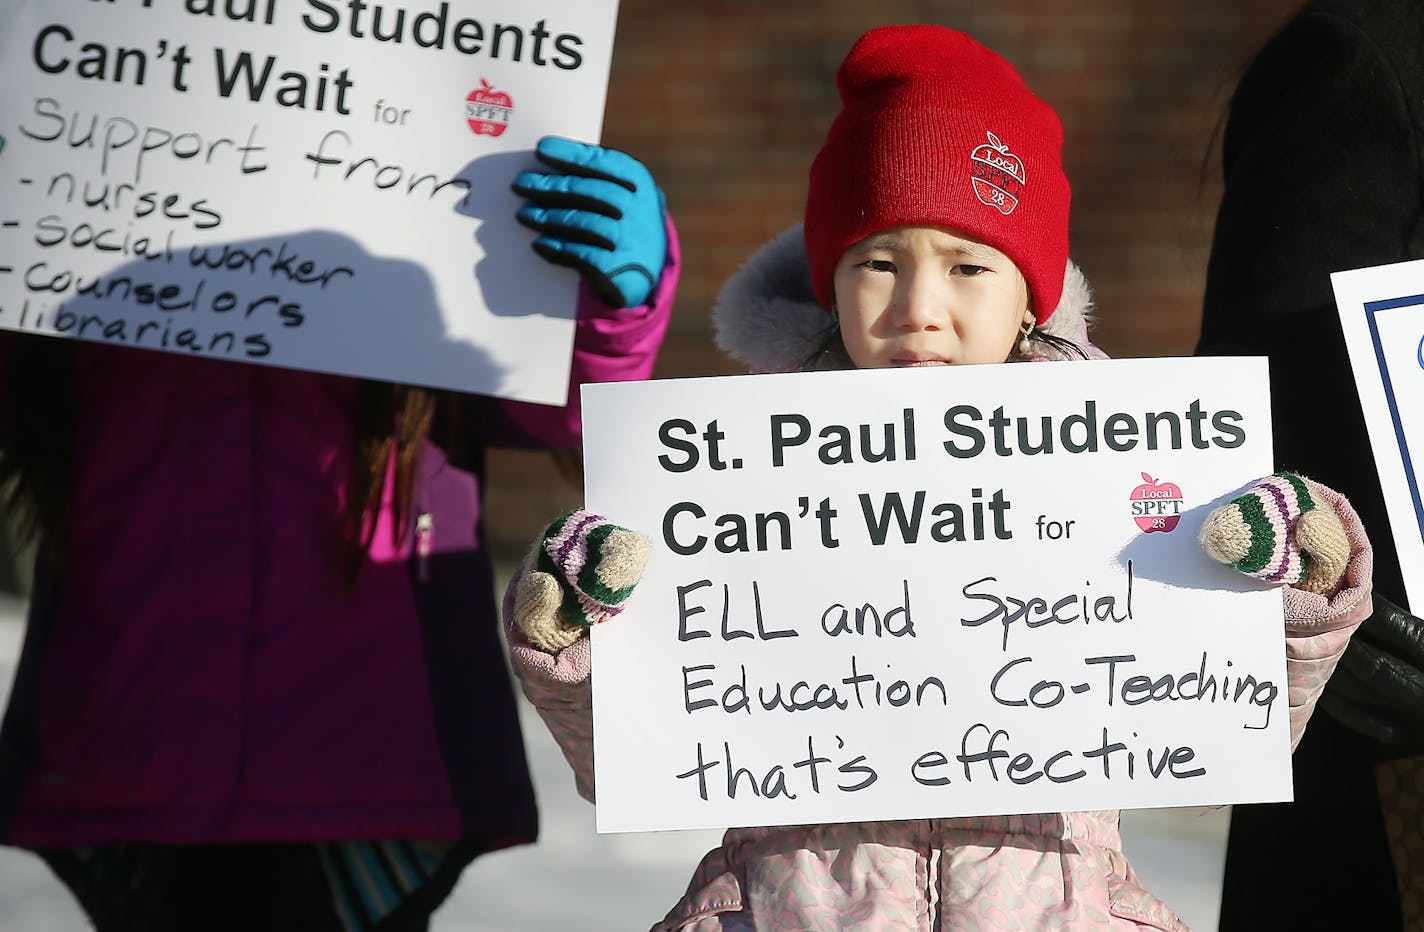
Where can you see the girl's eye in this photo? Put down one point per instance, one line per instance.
(969, 271)
(878, 265)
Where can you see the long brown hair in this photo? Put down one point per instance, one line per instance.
(37, 440)
(37, 450)
(392, 424)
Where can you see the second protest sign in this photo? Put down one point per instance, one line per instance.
(313, 185)
(910, 594)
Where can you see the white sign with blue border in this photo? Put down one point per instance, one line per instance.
(1382, 316)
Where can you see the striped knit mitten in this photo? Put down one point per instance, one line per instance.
(579, 573)
(1278, 532)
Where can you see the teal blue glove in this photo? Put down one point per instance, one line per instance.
(599, 212)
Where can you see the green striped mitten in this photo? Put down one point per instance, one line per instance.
(579, 573)
(1277, 531)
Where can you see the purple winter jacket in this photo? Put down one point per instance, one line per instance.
(200, 674)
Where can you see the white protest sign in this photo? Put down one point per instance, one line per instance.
(316, 184)
(1382, 317)
(893, 594)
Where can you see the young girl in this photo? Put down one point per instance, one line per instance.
(935, 233)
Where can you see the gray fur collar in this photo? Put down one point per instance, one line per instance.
(767, 316)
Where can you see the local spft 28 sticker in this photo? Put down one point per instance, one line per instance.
(1156, 505)
(998, 175)
(488, 111)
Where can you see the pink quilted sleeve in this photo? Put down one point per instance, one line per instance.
(610, 345)
(1319, 626)
(559, 688)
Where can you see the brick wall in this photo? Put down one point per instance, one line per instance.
(727, 101)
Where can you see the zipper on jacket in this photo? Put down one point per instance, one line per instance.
(932, 869)
(424, 542)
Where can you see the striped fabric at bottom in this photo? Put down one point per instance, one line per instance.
(370, 879)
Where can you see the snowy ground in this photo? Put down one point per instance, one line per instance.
(575, 878)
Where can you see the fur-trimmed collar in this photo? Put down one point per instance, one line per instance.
(767, 316)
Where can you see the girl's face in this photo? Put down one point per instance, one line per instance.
(924, 296)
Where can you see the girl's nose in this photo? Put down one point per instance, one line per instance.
(923, 304)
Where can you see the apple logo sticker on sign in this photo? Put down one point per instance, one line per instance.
(1156, 506)
(487, 110)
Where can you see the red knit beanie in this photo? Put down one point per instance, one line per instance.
(937, 130)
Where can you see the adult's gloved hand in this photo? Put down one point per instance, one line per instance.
(1377, 689)
(1278, 532)
(579, 573)
(600, 212)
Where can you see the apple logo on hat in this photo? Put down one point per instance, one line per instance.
(998, 175)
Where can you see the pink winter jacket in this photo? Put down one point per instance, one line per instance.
(1024, 872)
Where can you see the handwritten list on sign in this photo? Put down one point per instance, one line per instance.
(305, 183)
(908, 594)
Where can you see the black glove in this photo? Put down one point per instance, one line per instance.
(1377, 690)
